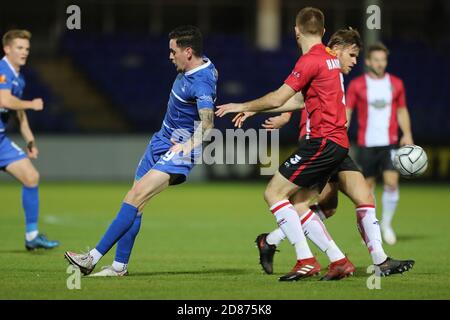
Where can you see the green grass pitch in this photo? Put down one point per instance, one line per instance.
(196, 242)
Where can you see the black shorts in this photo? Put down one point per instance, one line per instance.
(375, 160)
(312, 164)
(347, 165)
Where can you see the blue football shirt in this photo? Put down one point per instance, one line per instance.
(10, 80)
(191, 91)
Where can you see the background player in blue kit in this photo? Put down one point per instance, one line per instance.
(16, 45)
(169, 156)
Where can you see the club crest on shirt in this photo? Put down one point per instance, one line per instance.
(379, 103)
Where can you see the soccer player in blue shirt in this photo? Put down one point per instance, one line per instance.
(16, 45)
(171, 153)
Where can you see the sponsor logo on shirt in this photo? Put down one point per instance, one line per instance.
(296, 74)
(295, 159)
(379, 104)
(2, 79)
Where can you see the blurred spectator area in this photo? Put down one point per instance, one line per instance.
(114, 74)
(135, 72)
(55, 118)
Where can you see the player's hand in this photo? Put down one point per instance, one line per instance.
(239, 119)
(37, 104)
(406, 140)
(229, 108)
(184, 148)
(276, 122)
(32, 150)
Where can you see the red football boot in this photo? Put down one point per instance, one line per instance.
(303, 269)
(339, 269)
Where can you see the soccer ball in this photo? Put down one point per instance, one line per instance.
(410, 161)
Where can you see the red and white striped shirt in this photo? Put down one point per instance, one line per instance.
(377, 101)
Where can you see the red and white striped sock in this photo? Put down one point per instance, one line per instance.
(288, 221)
(318, 210)
(369, 229)
(316, 231)
(275, 237)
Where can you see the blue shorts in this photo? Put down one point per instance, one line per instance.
(157, 156)
(9, 152)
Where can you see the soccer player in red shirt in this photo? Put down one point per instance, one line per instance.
(347, 178)
(379, 98)
(317, 76)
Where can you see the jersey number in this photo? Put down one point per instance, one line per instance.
(168, 155)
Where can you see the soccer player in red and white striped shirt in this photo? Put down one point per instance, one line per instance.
(379, 98)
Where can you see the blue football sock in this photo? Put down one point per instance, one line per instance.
(123, 221)
(30, 204)
(125, 244)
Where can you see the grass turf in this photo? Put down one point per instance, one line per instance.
(196, 242)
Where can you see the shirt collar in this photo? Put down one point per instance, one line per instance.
(203, 66)
(11, 67)
(316, 47)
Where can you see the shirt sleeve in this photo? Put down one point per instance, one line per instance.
(205, 95)
(5, 80)
(401, 97)
(351, 95)
(302, 74)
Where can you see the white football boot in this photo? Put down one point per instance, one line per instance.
(109, 271)
(84, 261)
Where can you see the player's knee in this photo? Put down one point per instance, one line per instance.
(271, 196)
(302, 207)
(329, 204)
(31, 179)
(366, 198)
(136, 195)
(268, 196)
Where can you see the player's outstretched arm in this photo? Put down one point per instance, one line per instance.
(201, 133)
(8, 101)
(277, 122)
(27, 134)
(296, 102)
(270, 101)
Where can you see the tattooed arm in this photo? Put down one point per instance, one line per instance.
(200, 134)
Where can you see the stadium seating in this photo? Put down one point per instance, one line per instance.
(134, 70)
(54, 118)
